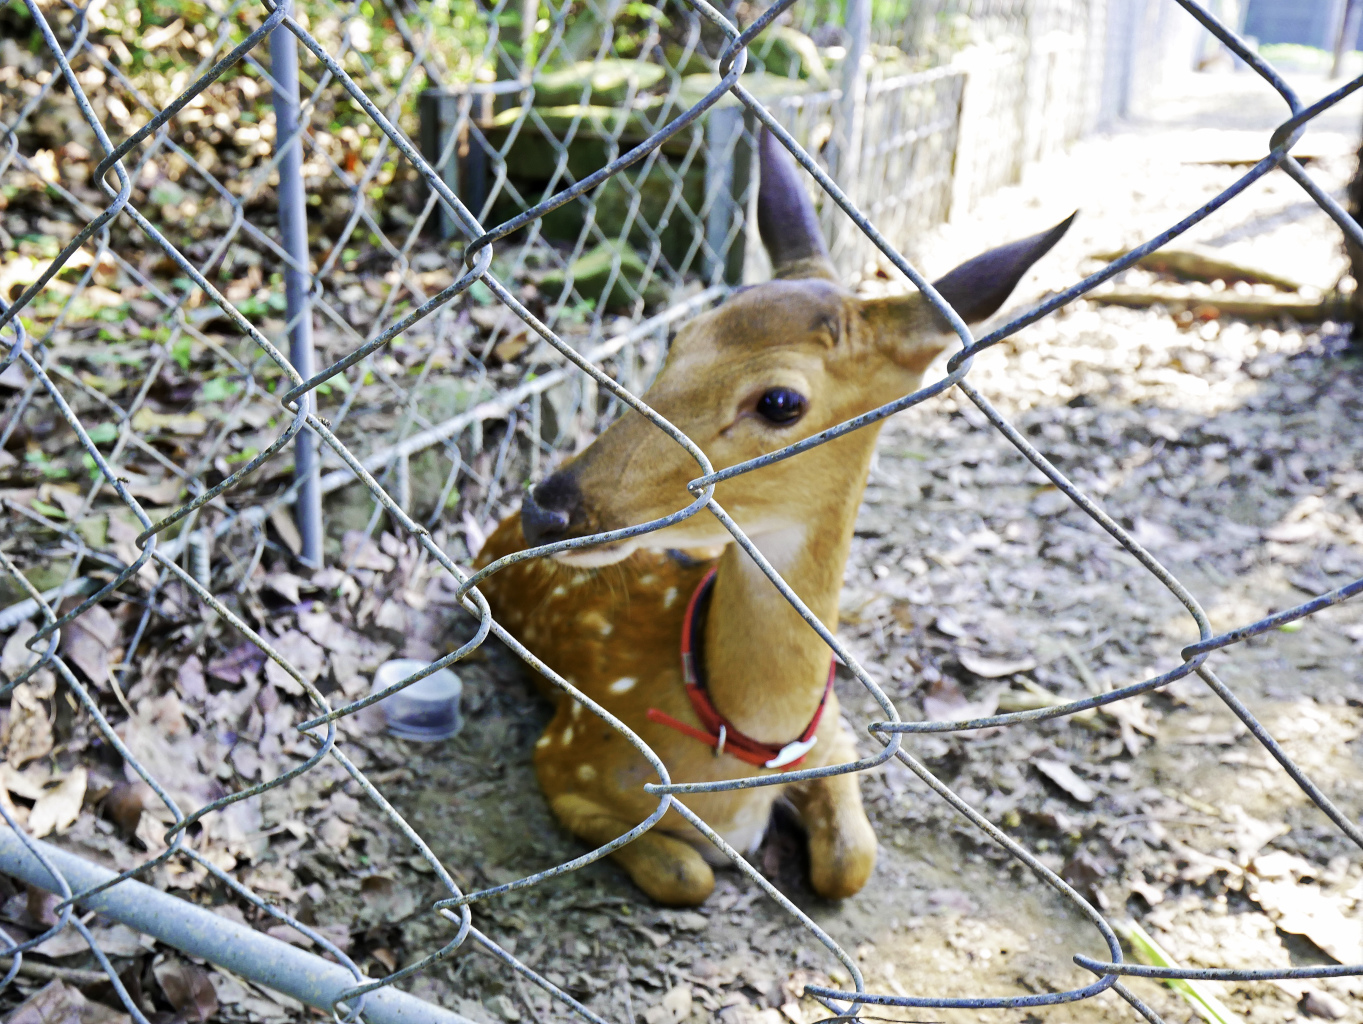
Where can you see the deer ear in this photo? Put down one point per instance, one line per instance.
(977, 288)
(907, 329)
(912, 333)
(786, 217)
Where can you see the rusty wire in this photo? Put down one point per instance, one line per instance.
(163, 558)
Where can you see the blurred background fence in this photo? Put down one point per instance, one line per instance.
(918, 110)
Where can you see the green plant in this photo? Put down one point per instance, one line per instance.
(1200, 995)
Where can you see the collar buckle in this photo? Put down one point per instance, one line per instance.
(792, 752)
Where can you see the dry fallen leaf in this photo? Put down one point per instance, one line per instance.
(124, 805)
(186, 424)
(26, 784)
(658, 939)
(56, 1003)
(945, 702)
(87, 640)
(230, 666)
(191, 679)
(1291, 533)
(306, 657)
(113, 939)
(16, 656)
(188, 988)
(358, 551)
(1321, 1004)
(27, 735)
(1281, 864)
(57, 809)
(947, 623)
(385, 957)
(675, 1006)
(993, 668)
(155, 492)
(1063, 776)
(1321, 917)
(511, 346)
(334, 833)
(286, 585)
(325, 631)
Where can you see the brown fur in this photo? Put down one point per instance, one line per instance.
(609, 617)
(766, 667)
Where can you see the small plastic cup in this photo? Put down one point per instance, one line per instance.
(426, 711)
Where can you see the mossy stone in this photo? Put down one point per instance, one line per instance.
(591, 274)
(602, 83)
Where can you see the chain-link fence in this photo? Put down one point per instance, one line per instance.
(611, 146)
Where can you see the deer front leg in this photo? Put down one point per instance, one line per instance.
(842, 844)
(669, 870)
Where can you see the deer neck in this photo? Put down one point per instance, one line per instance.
(765, 667)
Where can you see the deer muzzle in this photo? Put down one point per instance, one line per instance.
(550, 508)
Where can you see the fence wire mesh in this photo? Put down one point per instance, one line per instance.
(592, 164)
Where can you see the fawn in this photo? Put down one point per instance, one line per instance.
(677, 632)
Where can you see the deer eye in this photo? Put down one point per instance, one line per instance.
(781, 405)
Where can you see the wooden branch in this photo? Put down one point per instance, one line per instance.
(30, 968)
(1257, 308)
(1190, 265)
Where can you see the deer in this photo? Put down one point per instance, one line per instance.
(677, 632)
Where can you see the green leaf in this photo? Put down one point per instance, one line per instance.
(219, 389)
(1200, 995)
(103, 433)
(181, 351)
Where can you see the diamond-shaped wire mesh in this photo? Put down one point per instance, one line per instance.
(588, 171)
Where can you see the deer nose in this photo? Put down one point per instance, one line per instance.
(547, 510)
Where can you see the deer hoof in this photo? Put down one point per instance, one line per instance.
(669, 870)
(840, 862)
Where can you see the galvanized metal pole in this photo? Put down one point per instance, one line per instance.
(1346, 36)
(854, 86)
(198, 932)
(848, 240)
(293, 230)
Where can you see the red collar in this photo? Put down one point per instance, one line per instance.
(717, 731)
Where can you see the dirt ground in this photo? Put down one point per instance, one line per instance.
(1229, 449)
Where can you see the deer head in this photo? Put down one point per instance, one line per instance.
(775, 363)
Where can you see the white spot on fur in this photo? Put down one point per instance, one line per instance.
(558, 591)
(622, 685)
(749, 826)
(669, 597)
(577, 710)
(647, 580)
(607, 629)
(567, 736)
(586, 772)
(543, 741)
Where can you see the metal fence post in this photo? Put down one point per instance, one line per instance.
(1346, 37)
(728, 134)
(848, 239)
(200, 932)
(293, 231)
